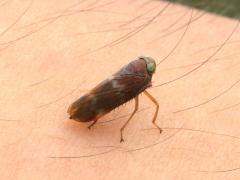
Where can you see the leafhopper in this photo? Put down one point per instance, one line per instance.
(126, 84)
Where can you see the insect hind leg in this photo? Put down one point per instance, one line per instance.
(156, 112)
(123, 127)
(91, 125)
(100, 114)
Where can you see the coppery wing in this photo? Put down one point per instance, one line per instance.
(118, 90)
(124, 85)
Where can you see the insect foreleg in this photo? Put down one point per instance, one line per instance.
(135, 110)
(157, 108)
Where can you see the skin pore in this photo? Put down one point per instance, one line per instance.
(52, 52)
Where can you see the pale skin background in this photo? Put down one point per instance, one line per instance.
(54, 51)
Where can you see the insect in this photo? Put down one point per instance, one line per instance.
(124, 85)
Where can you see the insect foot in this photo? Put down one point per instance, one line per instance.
(160, 130)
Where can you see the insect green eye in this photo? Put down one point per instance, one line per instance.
(151, 64)
(151, 67)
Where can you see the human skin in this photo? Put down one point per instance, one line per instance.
(52, 52)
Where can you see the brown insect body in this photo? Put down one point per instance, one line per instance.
(124, 85)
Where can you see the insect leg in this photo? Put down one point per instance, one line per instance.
(135, 110)
(157, 108)
(91, 125)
